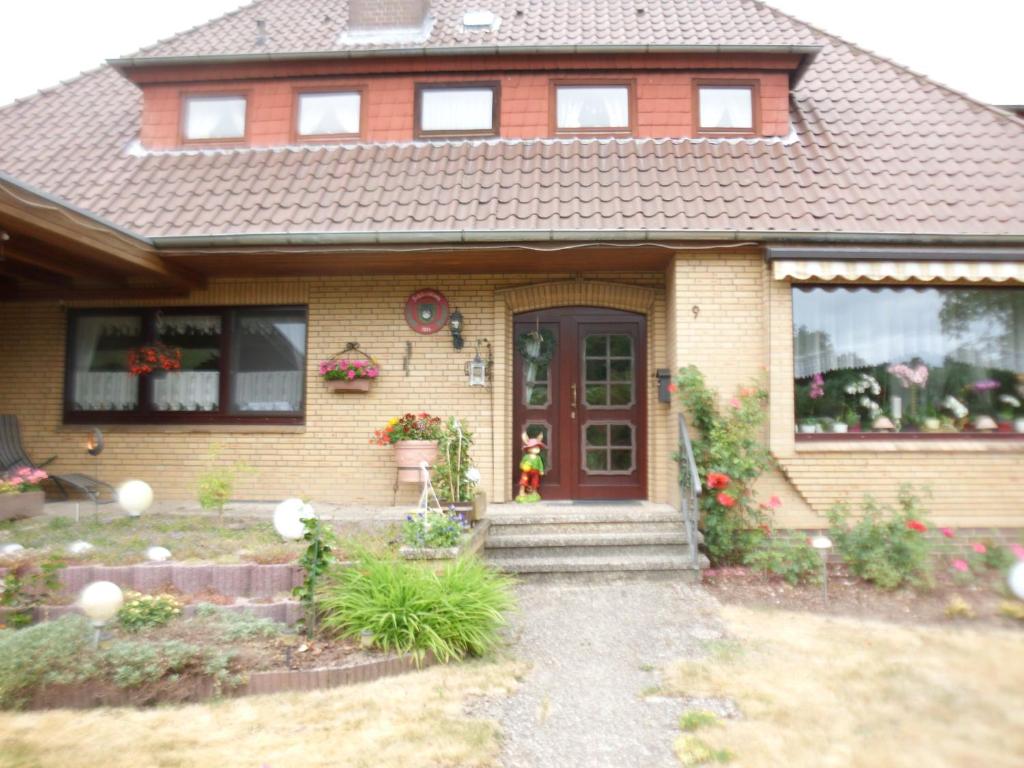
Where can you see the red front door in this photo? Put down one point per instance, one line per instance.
(579, 384)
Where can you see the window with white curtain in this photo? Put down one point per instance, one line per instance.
(592, 107)
(726, 108)
(908, 359)
(255, 357)
(329, 113)
(457, 110)
(214, 117)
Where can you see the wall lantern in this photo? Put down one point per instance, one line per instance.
(456, 325)
(664, 377)
(94, 443)
(478, 368)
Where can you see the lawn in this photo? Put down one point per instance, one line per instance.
(412, 720)
(827, 691)
(123, 540)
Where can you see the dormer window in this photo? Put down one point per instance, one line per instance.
(214, 118)
(459, 110)
(329, 114)
(596, 108)
(726, 108)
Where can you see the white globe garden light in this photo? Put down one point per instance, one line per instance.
(80, 547)
(823, 544)
(101, 601)
(1015, 579)
(289, 516)
(135, 497)
(11, 549)
(158, 554)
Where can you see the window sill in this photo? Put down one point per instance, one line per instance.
(910, 443)
(209, 428)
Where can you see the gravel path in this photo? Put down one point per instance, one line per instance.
(596, 650)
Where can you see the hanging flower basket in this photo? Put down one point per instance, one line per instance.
(351, 370)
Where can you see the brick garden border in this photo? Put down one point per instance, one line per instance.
(89, 695)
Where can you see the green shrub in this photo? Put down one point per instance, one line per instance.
(412, 609)
(432, 529)
(146, 611)
(451, 476)
(730, 455)
(235, 625)
(791, 558)
(25, 586)
(887, 547)
(988, 555)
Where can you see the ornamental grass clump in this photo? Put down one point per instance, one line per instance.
(413, 609)
(887, 547)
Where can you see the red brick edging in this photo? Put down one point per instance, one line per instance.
(89, 695)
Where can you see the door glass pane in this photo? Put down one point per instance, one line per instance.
(622, 460)
(100, 379)
(597, 461)
(268, 360)
(622, 434)
(608, 364)
(536, 389)
(196, 386)
(597, 434)
(542, 430)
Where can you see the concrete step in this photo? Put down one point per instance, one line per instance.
(609, 550)
(512, 538)
(600, 564)
(628, 527)
(584, 516)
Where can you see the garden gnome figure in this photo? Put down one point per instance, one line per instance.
(531, 467)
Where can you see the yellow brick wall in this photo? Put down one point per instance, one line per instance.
(330, 458)
(743, 330)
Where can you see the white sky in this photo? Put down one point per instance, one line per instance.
(972, 46)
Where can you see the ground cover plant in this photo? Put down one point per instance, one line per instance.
(411, 608)
(814, 691)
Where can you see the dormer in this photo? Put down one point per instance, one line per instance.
(395, 73)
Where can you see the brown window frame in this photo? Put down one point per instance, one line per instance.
(145, 414)
(493, 132)
(754, 86)
(235, 141)
(629, 84)
(299, 91)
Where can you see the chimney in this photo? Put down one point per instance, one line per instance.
(379, 15)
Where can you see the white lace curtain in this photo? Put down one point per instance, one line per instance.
(593, 107)
(328, 113)
(457, 109)
(844, 328)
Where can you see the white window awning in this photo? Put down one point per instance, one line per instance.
(927, 265)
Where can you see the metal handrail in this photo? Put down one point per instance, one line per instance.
(689, 489)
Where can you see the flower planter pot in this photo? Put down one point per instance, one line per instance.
(409, 454)
(343, 385)
(1018, 425)
(840, 428)
(931, 424)
(14, 506)
(985, 424)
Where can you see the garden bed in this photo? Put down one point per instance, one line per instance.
(850, 596)
(210, 653)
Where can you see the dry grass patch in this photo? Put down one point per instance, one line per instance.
(407, 721)
(818, 691)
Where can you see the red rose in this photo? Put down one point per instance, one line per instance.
(717, 480)
(916, 525)
(725, 500)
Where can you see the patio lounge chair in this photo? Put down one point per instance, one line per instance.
(14, 456)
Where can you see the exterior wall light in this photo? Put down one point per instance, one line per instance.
(101, 601)
(455, 322)
(94, 443)
(478, 368)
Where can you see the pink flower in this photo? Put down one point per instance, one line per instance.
(979, 548)
(351, 375)
(735, 403)
(817, 387)
(1018, 551)
(774, 502)
(947, 532)
(960, 565)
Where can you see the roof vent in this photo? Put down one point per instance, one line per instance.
(480, 20)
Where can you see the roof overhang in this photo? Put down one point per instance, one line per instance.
(128, 64)
(50, 246)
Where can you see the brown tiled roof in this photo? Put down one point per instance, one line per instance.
(317, 25)
(876, 150)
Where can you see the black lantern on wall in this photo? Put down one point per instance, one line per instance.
(456, 326)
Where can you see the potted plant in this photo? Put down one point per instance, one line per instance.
(808, 426)
(21, 493)
(344, 373)
(851, 419)
(455, 478)
(912, 379)
(1010, 415)
(414, 438)
(151, 358)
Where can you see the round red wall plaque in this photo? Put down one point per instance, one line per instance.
(426, 311)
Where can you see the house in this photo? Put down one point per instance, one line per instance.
(600, 189)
